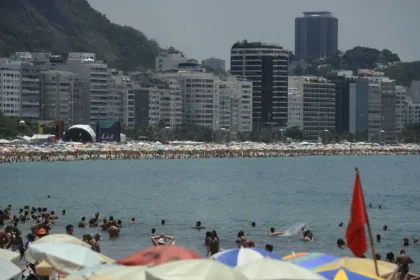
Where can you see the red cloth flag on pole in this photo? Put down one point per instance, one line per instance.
(356, 233)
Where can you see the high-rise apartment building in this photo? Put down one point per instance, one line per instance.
(235, 105)
(375, 110)
(316, 35)
(318, 104)
(61, 97)
(401, 94)
(266, 65)
(10, 91)
(169, 60)
(389, 119)
(359, 108)
(295, 107)
(120, 104)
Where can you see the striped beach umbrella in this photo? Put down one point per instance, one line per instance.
(311, 261)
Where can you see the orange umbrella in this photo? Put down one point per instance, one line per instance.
(158, 255)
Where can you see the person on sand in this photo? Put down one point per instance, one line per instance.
(162, 240)
(273, 232)
(198, 226)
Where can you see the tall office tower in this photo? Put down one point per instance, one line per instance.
(316, 35)
(266, 65)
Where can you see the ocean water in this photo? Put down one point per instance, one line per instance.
(226, 195)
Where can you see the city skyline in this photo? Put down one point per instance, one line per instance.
(367, 26)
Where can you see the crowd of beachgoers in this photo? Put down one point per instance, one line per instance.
(71, 151)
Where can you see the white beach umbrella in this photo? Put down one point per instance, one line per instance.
(61, 238)
(198, 269)
(113, 271)
(269, 269)
(63, 257)
(10, 255)
(9, 270)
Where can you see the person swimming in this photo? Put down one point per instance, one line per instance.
(273, 232)
(341, 244)
(308, 235)
(340, 224)
(198, 226)
(162, 240)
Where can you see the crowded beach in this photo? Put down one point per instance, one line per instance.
(39, 253)
(70, 151)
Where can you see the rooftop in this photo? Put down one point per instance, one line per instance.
(317, 14)
(246, 44)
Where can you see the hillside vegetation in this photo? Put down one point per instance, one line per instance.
(62, 26)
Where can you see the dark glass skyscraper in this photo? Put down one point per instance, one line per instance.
(316, 35)
(267, 67)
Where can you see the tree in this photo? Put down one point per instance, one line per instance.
(411, 133)
(294, 133)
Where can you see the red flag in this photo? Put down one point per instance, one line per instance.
(356, 233)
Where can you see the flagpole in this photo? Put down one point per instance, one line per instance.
(369, 231)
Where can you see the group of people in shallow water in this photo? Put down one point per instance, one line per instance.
(43, 220)
(187, 154)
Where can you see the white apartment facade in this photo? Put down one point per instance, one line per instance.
(200, 97)
(295, 106)
(61, 97)
(168, 60)
(10, 92)
(235, 113)
(318, 104)
(413, 112)
(401, 95)
(120, 104)
(170, 104)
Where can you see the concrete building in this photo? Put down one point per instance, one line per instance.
(95, 77)
(168, 60)
(147, 106)
(414, 92)
(266, 65)
(214, 63)
(295, 105)
(61, 97)
(359, 108)
(120, 104)
(316, 35)
(413, 112)
(318, 104)
(235, 105)
(401, 94)
(389, 119)
(375, 110)
(10, 91)
(200, 97)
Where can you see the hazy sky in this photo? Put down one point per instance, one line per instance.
(205, 28)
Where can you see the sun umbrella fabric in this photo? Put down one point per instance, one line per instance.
(347, 274)
(159, 255)
(61, 238)
(269, 269)
(241, 256)
(113, 271)
(63, 257)
(204, 269)
(310, 261)
(10, 255)
(361, 265)
(8, 270)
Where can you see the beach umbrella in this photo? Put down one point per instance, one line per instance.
(159, 255)
(113, 271)
(241, 256)
(63, 257)
(270, 269)
(9, 270)
(203, 269)
(346, 274)
(310, 261)
(61, 238)
(361, 265)
(10, 255)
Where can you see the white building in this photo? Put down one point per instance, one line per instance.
(295, 106)
(318, 104)
(214, 63)
(235, 105)
(170, 103)
(413, 112)
(414, 91)
(120, 104)
(375, 117)
(95, 76)
(61, 97)
(200, 97)
(10, 92)
(168, 60)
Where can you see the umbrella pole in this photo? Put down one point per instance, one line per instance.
(370, 233)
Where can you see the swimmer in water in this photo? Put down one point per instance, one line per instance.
(341, 244)
(162, 240)
(273, 232)
(198, 226)
(341, 224)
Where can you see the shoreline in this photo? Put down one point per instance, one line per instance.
(54, 156)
